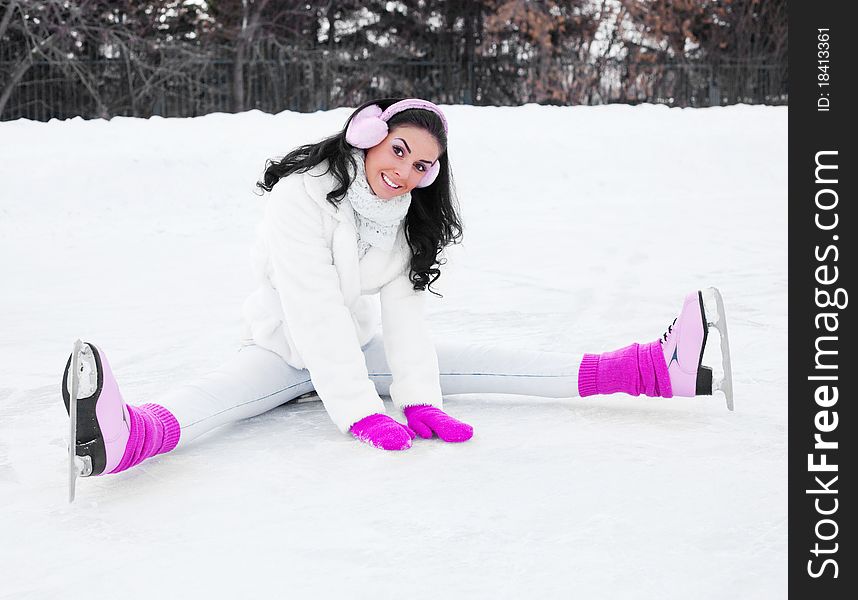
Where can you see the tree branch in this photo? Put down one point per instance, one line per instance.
(7, 17)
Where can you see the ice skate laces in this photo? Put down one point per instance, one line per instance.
(669, 330)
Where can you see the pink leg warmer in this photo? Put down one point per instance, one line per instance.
(636, 369)
(154, 430)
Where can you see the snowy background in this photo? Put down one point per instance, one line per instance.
(584, 229)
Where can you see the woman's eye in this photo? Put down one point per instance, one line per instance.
(421, 167)
(397, 150)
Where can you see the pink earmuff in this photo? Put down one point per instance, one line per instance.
(368, 128)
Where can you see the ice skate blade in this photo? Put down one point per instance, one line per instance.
(81, 390)
(73, 385)
(713, 307)
(81, 384)
(83, 465)
(86, 370)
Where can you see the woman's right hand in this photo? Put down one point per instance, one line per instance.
(382, 432)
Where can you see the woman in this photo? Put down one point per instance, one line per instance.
(362, 215)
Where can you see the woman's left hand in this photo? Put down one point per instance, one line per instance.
(425, 420)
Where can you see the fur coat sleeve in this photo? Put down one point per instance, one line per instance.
(408, 345)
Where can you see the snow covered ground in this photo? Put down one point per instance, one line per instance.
(584, 228)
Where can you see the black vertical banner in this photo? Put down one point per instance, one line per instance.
(822, 370)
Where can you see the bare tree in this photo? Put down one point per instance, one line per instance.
(35, 32)
(97, 45)
(244, 26)
(544, 37)
(714, 30)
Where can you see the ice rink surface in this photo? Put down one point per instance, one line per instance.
(584, 229)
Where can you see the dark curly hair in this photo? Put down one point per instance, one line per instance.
(432, 222)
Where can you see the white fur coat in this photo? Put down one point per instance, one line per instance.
(315, 303)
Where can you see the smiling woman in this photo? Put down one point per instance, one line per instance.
(366, 212)
(393, 168)
(405, 141)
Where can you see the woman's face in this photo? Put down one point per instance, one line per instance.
(396, 165)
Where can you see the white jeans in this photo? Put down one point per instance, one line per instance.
(256, 380)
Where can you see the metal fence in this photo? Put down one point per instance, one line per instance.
(184, 88)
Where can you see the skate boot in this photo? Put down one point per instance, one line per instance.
(687, 345)
(108, 435)
(688, 360)
(102, 422)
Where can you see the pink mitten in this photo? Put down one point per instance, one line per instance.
(427, 419)
(383, 432)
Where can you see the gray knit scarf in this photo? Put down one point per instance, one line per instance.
(377, 220)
